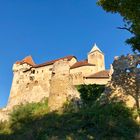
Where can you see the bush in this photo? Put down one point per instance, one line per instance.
(113, 120)
(108, 122)
(90, 93)
(22, 115)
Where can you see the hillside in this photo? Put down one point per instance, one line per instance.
(90, 121)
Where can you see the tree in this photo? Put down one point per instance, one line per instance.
(130, 11)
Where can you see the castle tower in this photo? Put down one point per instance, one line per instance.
(96, 57)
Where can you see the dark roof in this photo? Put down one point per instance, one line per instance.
(100, 74)
(68, 58)
(81, 63)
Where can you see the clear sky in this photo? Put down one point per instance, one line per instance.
(49, 29)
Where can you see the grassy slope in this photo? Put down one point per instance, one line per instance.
(33, 122)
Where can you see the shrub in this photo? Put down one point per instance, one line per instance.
(34, 122)
(90, 93)
(22, 115)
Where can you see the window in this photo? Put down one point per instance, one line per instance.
(31, 78)
(33, 71)
(138, 66)
(127, 70)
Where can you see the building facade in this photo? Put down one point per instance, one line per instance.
(31, 82)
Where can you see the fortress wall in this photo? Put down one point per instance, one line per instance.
(61, 87)
(101, 81)
(77, 78)
(86, 70)
(30, 86)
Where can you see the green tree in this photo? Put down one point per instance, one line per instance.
(130, 11)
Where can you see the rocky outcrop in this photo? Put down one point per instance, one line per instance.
(4, 114)
(125, 82)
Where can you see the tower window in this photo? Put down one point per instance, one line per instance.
(138, 66)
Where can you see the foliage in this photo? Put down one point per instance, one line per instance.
(130, 11)
(90, 93)
(24, 114)
(112, 121)
(34, 122)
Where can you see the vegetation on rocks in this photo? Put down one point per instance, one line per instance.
(90, 93)
(89, 122)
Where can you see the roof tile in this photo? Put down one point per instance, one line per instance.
(81, 63)
(53, 61)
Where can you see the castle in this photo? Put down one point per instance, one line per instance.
(31, 82)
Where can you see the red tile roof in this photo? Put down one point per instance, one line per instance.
(81, 63)
(30, 61)
(100, 74)
(53, 61)
(27, 60)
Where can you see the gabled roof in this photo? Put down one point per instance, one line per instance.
(68, 58)
(100, 74)
(81, 63)
(28, 60)
(95, 48)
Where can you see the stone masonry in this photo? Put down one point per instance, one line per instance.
(125, 82)
(33, 82)
(61, 87)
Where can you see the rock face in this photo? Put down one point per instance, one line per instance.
(125, 82)
(4, 114)
(61, 87)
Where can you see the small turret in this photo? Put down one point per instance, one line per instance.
(96, 57)
(24, 64)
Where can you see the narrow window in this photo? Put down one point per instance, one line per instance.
(127, 71)
(138, 66)
(33, 71)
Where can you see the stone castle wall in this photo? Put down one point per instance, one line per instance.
(31, 85)
(61, 86)
(86, 70)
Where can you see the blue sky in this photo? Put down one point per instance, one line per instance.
(49, 29)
